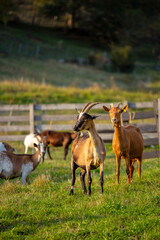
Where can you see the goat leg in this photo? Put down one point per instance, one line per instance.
(118, 163)
(27, 180)
(139, 168)
(48, 151)
(101, 176)
(128, 169)
(74, 167)
(82, 178)
(89, 181)
(132, 170)
(65, 152)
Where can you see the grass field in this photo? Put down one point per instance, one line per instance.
(25, 93)
(44, 209)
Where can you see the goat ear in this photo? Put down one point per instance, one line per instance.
(93, 117)
(124, 108)
(35, 145)
(106, 109)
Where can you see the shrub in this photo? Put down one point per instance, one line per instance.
(122, 58)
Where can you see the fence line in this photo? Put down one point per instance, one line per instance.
(18, 120)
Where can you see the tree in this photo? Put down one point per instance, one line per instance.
(7, 10)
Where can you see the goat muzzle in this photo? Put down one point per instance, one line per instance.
(43, 154)
(75, 128)
(114, 120)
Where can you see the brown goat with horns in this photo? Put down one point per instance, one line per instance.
(88, 150)
(127, 142)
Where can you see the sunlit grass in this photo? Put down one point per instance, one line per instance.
(44, 209)
(17, 92)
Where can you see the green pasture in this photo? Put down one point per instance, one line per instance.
(25, 93)
(44, 209)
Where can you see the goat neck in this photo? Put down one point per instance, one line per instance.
(93, 134)
(36, 158)
(118, 130)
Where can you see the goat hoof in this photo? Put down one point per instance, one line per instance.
(71, 193)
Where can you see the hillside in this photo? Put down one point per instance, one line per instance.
(42, 56)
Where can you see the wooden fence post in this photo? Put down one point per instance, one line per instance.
(31, 117)
(157, 116)
(158, 122)
(125, 122)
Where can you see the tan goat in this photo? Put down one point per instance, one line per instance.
(127, 142)
(15, 165)
(88, 150)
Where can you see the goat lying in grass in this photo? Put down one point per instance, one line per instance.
(88, 151)
(15, 165)
(127, 142)
(58, 139)
(6, 147)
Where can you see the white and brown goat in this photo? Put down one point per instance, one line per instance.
(88, 150)
(6, 147)
(127, 142)
(15, 165)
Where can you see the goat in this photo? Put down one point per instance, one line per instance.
(29, 141)
(58, 139)
(6, 147)
(88, 150)
(127, 142)
(15, 165)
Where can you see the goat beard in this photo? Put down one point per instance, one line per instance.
(117, 124)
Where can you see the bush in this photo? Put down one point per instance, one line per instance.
(122, 58)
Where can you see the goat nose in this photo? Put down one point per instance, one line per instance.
(114, 119)
(43, 157)
(75, 128)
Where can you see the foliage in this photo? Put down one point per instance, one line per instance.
(44, 209)
(122, 58)
(51, 8)
(124, 22)
(7, 10)
(128, 22)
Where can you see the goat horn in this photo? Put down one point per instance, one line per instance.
(119, 105)
(77, 110)
(83, 110)
(111, 105)
(44, 139)
(89, 106)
